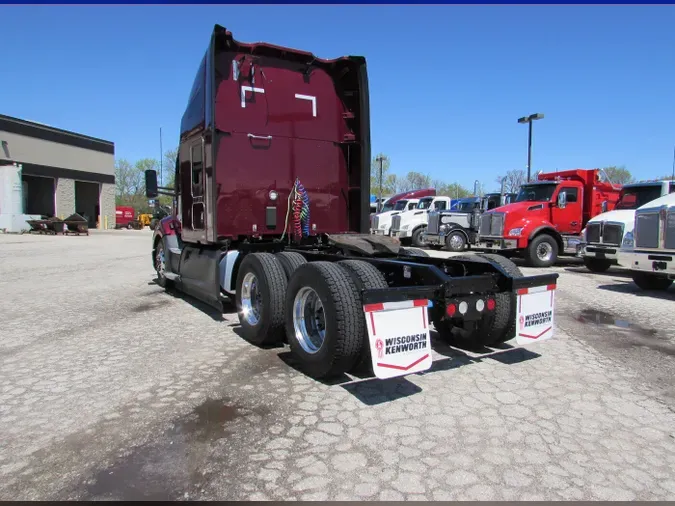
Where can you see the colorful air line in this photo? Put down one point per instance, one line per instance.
(301, 210)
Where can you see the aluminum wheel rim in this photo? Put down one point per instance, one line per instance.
(544, 251)
(159, 262)
(456, 241)
(309, 320)
(251, 299)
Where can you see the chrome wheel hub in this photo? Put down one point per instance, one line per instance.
(456, 241)
(544, 251)
(309, 320)
(251, 299)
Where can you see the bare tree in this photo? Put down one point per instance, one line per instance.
(414, 181)
(514, 179)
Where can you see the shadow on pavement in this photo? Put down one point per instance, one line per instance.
(614, 271)
(629, 287)
(372, 392)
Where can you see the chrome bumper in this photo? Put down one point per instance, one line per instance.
(496, 243)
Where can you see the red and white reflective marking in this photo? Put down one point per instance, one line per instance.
(534, 289)
(399, 337)
(535, 316)
(388, 306)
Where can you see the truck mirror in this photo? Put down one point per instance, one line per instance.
(604, 206)
(151, 184)
(562, 200)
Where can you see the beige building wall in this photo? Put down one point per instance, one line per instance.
(107, 205)
(65, 197)
(41, 152)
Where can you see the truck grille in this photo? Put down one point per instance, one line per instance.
(375, 222)
(612, 234)
(670, 229)
(593, 233)
(434, 220)
(492, 224)
(396, 222)
(647, 230)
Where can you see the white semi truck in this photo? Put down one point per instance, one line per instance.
(603, 235)
(381, 223)
(649, 249)
(409, 227)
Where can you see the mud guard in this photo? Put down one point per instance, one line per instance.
(199, 276)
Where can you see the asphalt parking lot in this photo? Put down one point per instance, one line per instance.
(111, 388)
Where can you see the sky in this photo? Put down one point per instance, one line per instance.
(447, 83)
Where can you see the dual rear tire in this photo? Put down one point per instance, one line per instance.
(500, 327)
(315, 306)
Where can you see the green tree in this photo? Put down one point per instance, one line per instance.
(130, 183)
(452, 190)
(128, 180)
(619, 175)
(169, 168)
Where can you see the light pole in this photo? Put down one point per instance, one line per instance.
(529, 119)
(379, 202)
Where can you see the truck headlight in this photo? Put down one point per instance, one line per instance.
(443, 228)
(515, 232)
(405, 227)
(628, 240)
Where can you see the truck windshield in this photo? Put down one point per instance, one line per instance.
(387, 207)
(400, 205)
(467, 207)
(424, 203)
(536, 192)
(632, 198)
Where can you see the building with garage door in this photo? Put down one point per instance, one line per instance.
(62, 172)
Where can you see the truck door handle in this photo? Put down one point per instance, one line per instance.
(574, 223)
(263, 137)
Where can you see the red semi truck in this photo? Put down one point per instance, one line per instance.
(548, 215)
(272, 189)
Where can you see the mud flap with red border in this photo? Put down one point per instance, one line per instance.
(398, 334)
(535, 314)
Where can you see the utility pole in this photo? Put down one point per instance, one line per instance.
(529, 119)
(379, 203)
(161, 157)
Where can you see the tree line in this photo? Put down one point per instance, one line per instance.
(130, 180)
(512, 179)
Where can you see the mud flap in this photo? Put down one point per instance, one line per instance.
(398, 334)
(534, 317)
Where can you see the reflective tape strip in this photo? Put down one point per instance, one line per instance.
(385, 306)
(535, 289)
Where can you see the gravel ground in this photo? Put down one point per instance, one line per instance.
(111, 388)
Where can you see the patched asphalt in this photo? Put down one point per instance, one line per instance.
(112, 388)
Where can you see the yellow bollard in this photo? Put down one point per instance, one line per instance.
(106, 221)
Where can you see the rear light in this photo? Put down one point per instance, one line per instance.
(463, 307)
(451, 309)
(480, 305)
(491, 304)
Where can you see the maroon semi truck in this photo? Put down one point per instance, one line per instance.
(272, 211)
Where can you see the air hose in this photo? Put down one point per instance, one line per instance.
(300, 210)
